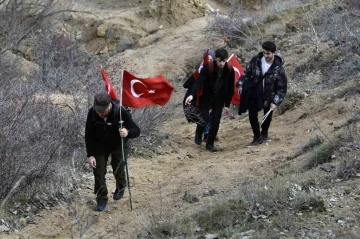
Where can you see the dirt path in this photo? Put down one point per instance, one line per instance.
(159, 184)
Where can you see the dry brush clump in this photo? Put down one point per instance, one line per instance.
(21, 18)
(256, 209)
(334, 27)
(349, 167)
(237, 27)
(308, 146)
(45, 103)
(39, 136)
(44, 107)
(150, 120)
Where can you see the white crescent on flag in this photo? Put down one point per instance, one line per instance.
(236, 70)
(133, 92)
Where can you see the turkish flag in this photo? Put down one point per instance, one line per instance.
(196, 74)
(238, 70)
(204, 62)
(139, 92)
(108, 87)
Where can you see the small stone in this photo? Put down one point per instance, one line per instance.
(342, 222)
(4, 228)
(211, 236)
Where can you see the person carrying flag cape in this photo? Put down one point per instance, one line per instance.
(217, 81)
(190, 115)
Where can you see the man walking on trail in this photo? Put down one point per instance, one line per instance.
(188, 85)
(263, 85)
(217, 80)
(104, 136)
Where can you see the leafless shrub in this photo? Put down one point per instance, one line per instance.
(44, 105)
(236, 27)
(338, 24)
(353, 4)
(278, 6)
(150, 119)
(229, 27)
(20, 18)
(350, 166)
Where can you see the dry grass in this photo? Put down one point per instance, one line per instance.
(291, 100)
(310, 145)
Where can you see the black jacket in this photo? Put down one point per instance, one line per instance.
(208, 81)
(101, 135)
(274, 87)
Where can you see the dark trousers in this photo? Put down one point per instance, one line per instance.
(253, 117)
(216, 111)
(118, 167)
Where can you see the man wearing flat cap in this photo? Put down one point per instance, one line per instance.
(103, 137)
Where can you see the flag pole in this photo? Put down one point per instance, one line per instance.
(122, 141)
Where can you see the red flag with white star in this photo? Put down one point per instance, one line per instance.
(139, 92)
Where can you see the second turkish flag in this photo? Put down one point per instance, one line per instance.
(139, 92)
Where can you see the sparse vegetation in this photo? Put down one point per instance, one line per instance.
(221, 216)
(324, 153)
(310, 145)
(292, 98)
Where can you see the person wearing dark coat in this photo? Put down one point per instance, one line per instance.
(217, 91)
(192, 113)
(263, 85)
(104, 136)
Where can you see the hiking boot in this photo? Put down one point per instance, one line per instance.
(255, 142)
(100, 206)
(211, 148)
(198, 139)
(119, 193)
